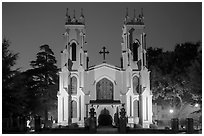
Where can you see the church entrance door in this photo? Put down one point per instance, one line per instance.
(105, 118)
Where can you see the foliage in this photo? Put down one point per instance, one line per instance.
(194, 73)
(44, 81)
(176, 75)
(14, 99)
(31, 91)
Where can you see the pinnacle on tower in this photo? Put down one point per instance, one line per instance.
(142, 13)
(82, 20)
(134, 18)
(127, 17)
(141, 17)
(74, 14)
(67, 13)
(74, 18)
(126, 12)
(67, 17)
(82, 12)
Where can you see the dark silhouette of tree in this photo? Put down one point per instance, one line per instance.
(44, 81)
(170, 74)
(194, 73)
(13, 90)
(153, 55)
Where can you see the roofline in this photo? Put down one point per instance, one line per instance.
(102, 65)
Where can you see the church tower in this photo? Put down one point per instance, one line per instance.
(133, 62)
(74, 61)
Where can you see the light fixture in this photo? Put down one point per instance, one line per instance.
(196, 105)
(171, 110)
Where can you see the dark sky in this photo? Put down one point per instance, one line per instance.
(29, 25)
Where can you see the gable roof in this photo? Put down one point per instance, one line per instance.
(105, 65)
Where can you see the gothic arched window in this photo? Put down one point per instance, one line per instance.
(104, 89)
(136, 108)
(131, 38)
(135, 85)
(135, 51)
(73, 51)
(73, 85)
(73, 109)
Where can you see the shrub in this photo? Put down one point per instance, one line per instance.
(137, 126)
(153, 126)
(74, 125)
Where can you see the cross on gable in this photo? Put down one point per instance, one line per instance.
(104, 52)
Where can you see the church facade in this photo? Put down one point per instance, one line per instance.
(104, 87)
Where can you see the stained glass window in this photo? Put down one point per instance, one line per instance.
(74, 85)
(136, 108)
(104, 89)
(74, 109)
(135, 85)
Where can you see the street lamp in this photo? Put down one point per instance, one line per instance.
(171, 111)
(196, 105)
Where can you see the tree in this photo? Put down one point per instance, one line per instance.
(13, 91)
(169, 77)
(194, 73)
(44, 82)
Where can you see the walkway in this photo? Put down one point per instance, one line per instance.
(106, 130)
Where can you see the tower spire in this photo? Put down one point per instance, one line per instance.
(134, 13)
(67, 13)
(126, 17)
(142, 13)
(67, 17)
(82, 20)
(126, 11)
(82, 12)
(74, 14)
(74, 18)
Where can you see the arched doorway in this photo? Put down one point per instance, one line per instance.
(105, 118)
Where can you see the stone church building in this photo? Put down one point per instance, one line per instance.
(105, 87)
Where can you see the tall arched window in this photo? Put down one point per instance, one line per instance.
(73, 85)
(135, 51)
(135, 85)
(104, 89)
(136, 108)
(73, 51)
(131, 38)
(74, 109)
(80, 59)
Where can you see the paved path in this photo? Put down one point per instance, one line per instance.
(107, 130)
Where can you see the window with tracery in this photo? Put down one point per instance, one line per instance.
(104, 89)
(73, 85)
(136, 108)
(73, 109)
(135, 85)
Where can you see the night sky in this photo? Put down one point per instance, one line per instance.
(29, 25)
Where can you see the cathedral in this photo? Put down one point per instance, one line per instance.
(104, 87)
